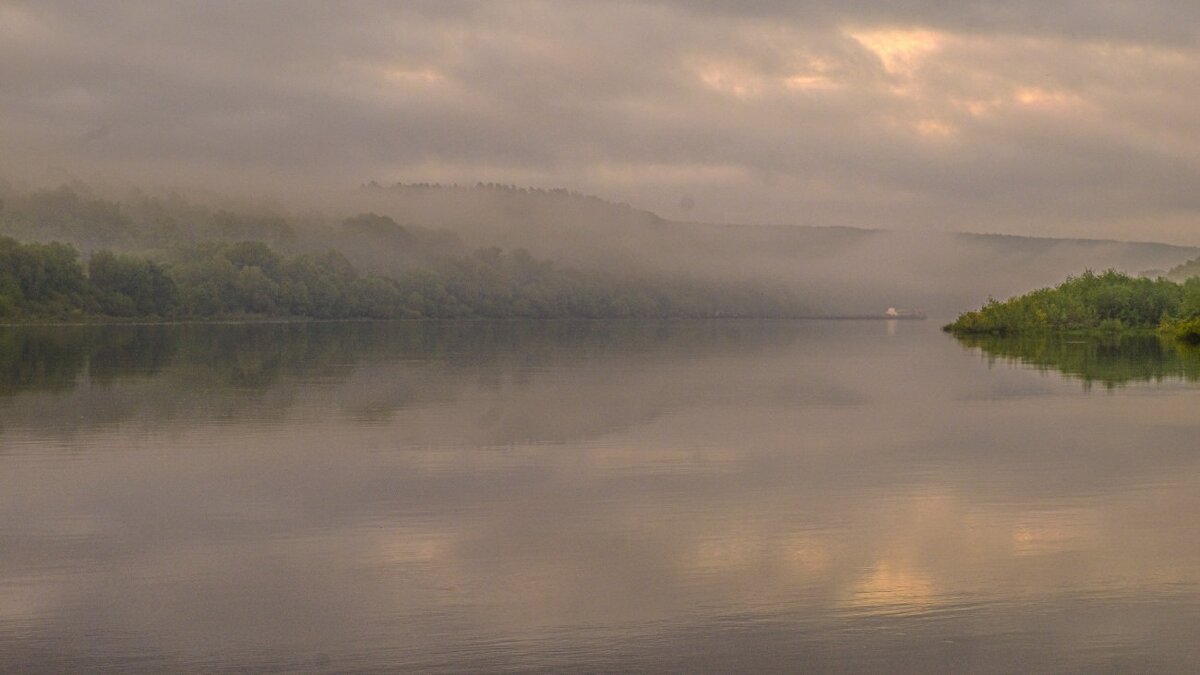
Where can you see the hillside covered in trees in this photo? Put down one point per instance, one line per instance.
(220, 279)
(1184, 271)
(168, 257)
(585, 256)
(1109, 302)
(847, 268)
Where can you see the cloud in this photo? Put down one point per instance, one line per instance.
(1073, 118)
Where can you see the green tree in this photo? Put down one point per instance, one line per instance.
(131, 285)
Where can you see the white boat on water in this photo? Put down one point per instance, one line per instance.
(894, 313)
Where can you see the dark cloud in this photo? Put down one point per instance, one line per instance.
(1052, 118)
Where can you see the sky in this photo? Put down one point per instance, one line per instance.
(1066, 118)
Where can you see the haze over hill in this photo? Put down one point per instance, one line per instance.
(403, 229)
(911, 120)
(1068, 119)
(841, 269)
(554, 336)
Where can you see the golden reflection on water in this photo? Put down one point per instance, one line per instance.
(611, 499)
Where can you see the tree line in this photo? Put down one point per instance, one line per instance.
(71, 252)
(222, 279)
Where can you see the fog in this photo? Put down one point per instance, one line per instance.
(749, 270)
(894, 124)
(467, 336)
(1069, 120)
(838, 270)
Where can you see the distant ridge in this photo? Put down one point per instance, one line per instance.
(844, 269)
(391, 230)
(533, 199)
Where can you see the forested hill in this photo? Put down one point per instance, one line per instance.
(393, 231)
(847, 269)
(495, 205)
(83, 255)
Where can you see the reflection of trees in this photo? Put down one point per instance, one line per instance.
(53, 358)
(39, 359)
(1111, 360)
(105, 374)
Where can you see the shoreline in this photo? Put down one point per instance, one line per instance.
(113, 321)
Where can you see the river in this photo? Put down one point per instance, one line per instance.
(723, 496)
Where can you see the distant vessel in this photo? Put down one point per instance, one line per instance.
(894, 313)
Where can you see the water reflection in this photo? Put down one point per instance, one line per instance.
(683, 496)
(1109, 360)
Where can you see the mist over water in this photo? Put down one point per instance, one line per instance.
(537, 252)
(835, 270)
(533, 336)
(679, 496)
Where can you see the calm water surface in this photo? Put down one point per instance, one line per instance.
(720, 496)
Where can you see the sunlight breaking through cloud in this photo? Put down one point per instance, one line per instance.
(625, 100)
(900, 51)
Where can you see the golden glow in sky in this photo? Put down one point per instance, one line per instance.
(901, 51)
(906, 101)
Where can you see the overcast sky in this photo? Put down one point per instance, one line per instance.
(1070, 117)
